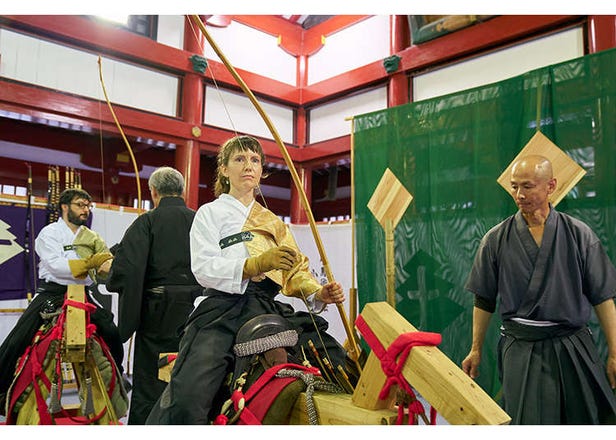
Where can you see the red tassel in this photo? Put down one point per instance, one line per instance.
(221, 419)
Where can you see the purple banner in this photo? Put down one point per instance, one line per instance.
(18, 268)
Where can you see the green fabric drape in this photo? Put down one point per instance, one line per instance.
(448, 152)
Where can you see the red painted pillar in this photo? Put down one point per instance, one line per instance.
(298, 214)
(601, 32)
(187, 156)
(398, 91)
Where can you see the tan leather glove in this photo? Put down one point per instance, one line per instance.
(281, 257)
(79, 268)
(103, 270)
(94, 261)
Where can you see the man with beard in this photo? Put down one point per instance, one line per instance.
(69, 253)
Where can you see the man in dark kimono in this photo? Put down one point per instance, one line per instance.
(151, 273)
(549, 270)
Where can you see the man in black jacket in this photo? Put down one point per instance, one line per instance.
(151, 273)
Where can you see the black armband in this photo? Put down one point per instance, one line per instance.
(485, 304)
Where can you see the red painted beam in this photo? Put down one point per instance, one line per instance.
(497, 31)
(361, 77)
(314, 155)
(51, 105)
(88, 145)
(213, 137)
(325, 152)
(601, 32)
(398, 89)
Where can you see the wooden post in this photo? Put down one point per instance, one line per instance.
(388, 203)
(390, 263)
(75, 330)
(369, 385)
(164, 372)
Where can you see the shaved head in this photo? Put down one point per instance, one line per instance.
(539, 165)
(532, 183)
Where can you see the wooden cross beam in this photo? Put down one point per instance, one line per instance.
(454, 395)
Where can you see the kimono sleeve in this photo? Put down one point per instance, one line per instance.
(599, 275)
(210, 268)
(127, 275)
(483, 277)
(49, 249)
(299, 281)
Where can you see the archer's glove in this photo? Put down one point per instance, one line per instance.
(281, 257)
(94, 261)
(79, 268)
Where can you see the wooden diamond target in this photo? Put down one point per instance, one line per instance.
(566, 171)
(389, 200)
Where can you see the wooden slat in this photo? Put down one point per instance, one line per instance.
(164, 372)
(456, 397)
(337, 409)
(75, 327)
(566, 171)
(369, 386)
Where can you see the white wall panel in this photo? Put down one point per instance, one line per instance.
(19, 56)
(500, 65)
(62, 68)
(233, 111)
(171, 30)
(252, 50)
(143, 88)
(350, 48)
(329, 120)
(337, 244)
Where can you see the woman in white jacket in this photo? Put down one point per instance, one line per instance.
(244, 255)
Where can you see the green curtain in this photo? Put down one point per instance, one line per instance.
(448, 152)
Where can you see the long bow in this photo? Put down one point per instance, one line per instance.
(353, 351)
(130, 150)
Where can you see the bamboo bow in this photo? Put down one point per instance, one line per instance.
(130, 150)
(353, 351)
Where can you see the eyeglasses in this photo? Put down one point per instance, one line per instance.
(82, 205)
